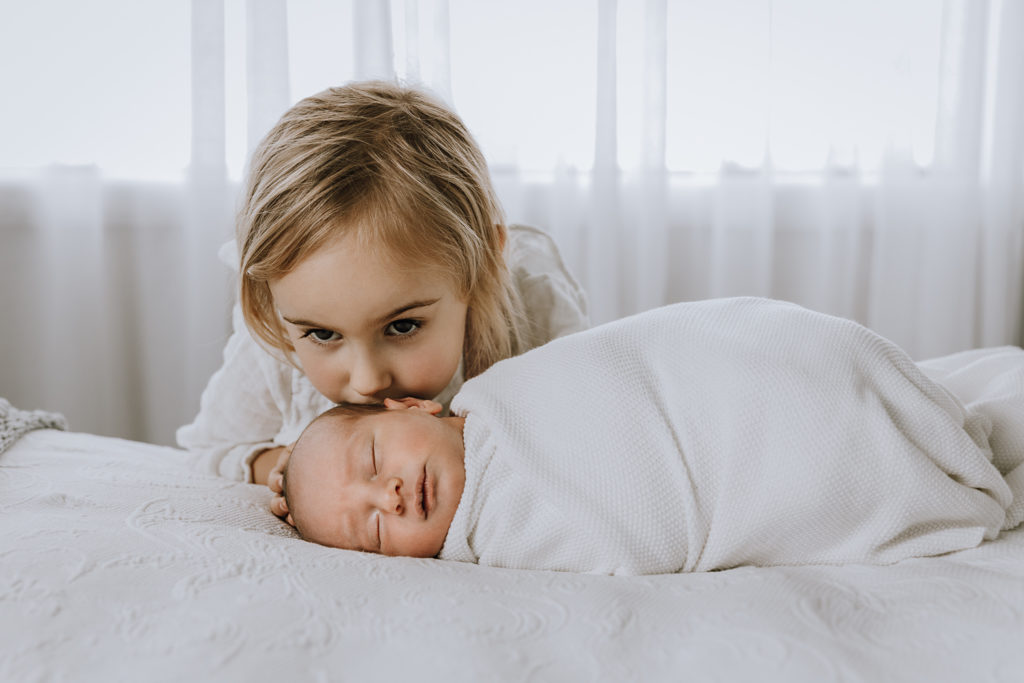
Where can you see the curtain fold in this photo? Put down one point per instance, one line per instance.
(266, 61)
(206, 216)
(374, 53)
(605, 238)
(116, 309)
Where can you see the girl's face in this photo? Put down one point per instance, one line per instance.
(366, 327)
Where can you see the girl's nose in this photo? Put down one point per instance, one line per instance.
(390, 497)
(368, 377)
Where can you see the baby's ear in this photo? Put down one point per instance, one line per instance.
(410, 403)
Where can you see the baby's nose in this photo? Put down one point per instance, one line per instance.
(392, 498)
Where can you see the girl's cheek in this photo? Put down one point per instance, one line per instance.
(424, 376)
(316, 370)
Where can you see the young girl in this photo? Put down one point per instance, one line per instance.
(374, 263)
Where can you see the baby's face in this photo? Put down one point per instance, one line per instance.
(386, 483)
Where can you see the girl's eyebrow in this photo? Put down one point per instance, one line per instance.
(300, 323)
(379, 321)
(407, 307)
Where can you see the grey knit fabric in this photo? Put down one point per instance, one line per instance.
(15, 422)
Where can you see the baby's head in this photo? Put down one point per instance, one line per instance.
(378, 478)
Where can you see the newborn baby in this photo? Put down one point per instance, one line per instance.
(380, 478)
(694, 437)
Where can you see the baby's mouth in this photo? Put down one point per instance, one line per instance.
(421, 493)
(427, 493)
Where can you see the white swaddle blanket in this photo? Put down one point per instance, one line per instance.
(709, 435)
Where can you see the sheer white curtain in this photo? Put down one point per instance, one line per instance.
(798, 150)
(864, 159)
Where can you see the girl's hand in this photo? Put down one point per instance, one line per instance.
(275, 481)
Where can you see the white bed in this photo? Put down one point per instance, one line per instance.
(119, 562)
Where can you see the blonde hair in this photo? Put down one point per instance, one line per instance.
(398, 169)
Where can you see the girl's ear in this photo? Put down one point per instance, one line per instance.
(410, 403)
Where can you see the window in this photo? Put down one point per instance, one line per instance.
(812, 84)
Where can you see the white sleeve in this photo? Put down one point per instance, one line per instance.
(242, 408)
(555, 303)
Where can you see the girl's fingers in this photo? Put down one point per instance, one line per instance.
(279, 506)
(282, 459)
(275, 480)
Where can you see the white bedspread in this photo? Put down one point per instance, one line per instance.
(716, 434)
(120, 563)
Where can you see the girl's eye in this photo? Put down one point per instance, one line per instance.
(373, 456)
(403, 328)
(318, 336)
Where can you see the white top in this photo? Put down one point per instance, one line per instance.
(256, 401)
(715, 434)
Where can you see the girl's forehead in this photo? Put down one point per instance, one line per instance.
(398, 260)
(355, 300)
(340, 284)
(347, 263)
